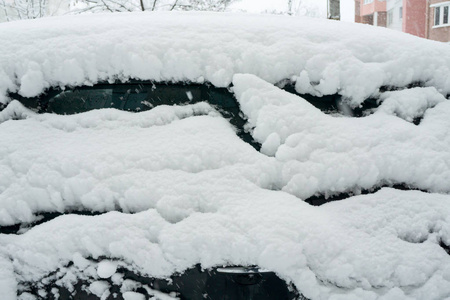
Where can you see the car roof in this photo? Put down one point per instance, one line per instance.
(320, 57)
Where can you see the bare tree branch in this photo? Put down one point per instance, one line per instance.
(106, 6)
(31, 9)
(154, 4)
(174, 5)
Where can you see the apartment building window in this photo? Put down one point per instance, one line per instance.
(390, 17)
(400, 12)
(368, 1)
(437, 15)
(445, 17)
(441, 14)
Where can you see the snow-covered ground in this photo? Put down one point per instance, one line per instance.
(178, 186)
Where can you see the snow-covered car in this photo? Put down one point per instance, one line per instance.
(177, 155)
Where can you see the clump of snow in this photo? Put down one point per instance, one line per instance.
(133, 296)
(326, 155)
(324, 57)
(100, 289)
(15, 110)
(409, 104)
(106, 268)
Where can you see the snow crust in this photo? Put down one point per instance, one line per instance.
(322, 57)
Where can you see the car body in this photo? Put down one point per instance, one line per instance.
(147, 153)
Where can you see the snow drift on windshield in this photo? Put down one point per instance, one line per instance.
(322, 57)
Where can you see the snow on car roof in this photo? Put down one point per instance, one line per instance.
(322, 57)
(177, 187)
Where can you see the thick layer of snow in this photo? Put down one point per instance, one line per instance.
(324, 57)
(382, 245)
(323, 154)
(201, 195)
(108, 159)
(179, 188)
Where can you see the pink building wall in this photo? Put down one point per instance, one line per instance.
(415, 17)
(440, 33)
(368, 9)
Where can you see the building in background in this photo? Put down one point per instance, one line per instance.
(424, 18)
(409, 16)
(372, 12)
(334, 9)
(438, 21)
(394, 14)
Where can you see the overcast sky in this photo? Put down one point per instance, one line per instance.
(256, 6)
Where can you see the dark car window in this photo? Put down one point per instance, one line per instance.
(143, 96)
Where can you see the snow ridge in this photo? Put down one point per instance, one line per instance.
(323, 154)
(322, 57)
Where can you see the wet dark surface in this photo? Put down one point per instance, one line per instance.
(193, 284)
(138, 97)
(42, 218)
(322, 199)
(444, 246)
(197, 284)
(142, 96)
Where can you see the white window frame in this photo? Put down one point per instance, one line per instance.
(441, 6)
(390, 17)
(367, 1)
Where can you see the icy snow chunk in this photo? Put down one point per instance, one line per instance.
(133, 296)
(129, 285)
(99, 288)
(106, 268)
(409, 104)
(80, 262)
(25, 296)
